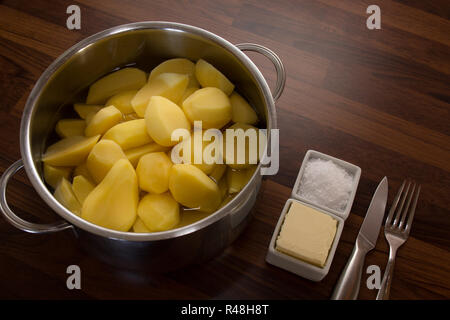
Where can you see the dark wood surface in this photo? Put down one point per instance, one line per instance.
(379, 99)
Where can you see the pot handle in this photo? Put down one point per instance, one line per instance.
(12, 218)
(279, 67)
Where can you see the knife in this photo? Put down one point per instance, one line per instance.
(347, 287)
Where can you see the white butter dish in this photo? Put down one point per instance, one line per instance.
(295, 265)
(298, 266)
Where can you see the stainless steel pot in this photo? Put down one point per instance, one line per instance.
(144, 44)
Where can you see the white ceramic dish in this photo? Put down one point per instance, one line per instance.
(298, 266)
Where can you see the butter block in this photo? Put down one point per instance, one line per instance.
(307, 234)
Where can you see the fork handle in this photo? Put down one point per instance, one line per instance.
(383, 293)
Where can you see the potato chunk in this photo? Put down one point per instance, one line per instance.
(70, 127)
(82, 170)
(153, 172)
(168, 85)
(176, 65)
(81, 188)
(122, 101)
(114, 83)
(241, 110)
(209, 105)
(102, 121)
(70, 151)
(159, 212)
(191, 187)
(53, 175)
(113, 203)
(64, 194)
(135, 154)
(84, 110)
(130, 134)
(162, 118)
(102, 158)
(209, 76)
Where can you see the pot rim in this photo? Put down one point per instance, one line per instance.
(43, 191)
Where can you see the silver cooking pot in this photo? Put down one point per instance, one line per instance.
(143, 44)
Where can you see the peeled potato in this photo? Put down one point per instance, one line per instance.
(135, 154)
(102, 158)
(70, 127)
(113, 203)
(53, 175)
(209, 105)
(249, 148)
(84, 109)
(82, 170)
(168, 85)
(130, 134)
(162, 118)
(241, 110)
(190, 145)
(176, 65)
(70, 151)
(139, 226)
(81, 188)
(209, 76)
(193, 188)
(114, 83)
(217, 173)
(122, 101)
(103, 120)
(237, 179)
(159, 212)
(153, 172)
(64, 194)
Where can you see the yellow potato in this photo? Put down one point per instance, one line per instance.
(209, 76)
(217, 173)
(162, 118)
(176, 65)
(102, 121)
(53, 175)
(102, 158)
(122, 101)
(188, 217)
(70, 127)
(248, 147)
(84, 110)
(113, 203)
(82, 170)
(202, 165)
(114, 83)
(130, 134)
(65, 196)
(135, 154)
(191, 187)
(237, 179)
(139, 226)
(153, 172)
(241, 110)
(209, 105)
(168, 85)
(81, 188)
(159, 212)
(70, 151)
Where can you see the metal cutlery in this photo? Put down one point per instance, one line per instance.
(348, 284)
(396, 229)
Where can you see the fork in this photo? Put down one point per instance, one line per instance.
(396, 231)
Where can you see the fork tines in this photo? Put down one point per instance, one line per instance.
(406, 209)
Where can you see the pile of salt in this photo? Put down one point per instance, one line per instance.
(326, 184)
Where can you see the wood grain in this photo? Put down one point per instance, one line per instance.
(379, 99)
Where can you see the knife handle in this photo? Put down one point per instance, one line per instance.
(347, 287)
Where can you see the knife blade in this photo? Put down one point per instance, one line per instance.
(347, 287)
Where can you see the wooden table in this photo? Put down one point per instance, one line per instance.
(376, 98)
